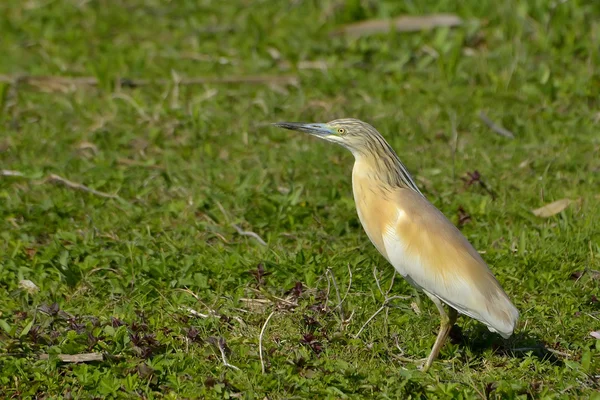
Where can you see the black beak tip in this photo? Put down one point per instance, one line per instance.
(287, 125)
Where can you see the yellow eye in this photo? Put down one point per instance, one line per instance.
(341, 131)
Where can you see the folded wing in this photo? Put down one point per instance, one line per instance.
(432, 254)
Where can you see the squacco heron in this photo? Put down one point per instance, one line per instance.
(414, 236)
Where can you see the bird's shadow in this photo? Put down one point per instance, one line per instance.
(478, 339)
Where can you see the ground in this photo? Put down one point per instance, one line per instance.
(155, 272)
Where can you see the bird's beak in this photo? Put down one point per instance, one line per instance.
(321, 130)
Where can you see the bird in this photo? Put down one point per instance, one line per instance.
(414, 236)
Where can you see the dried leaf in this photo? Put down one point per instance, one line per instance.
(577, 275)
(552, 209)
(400, 24)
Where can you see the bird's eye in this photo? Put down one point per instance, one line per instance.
(341, 131)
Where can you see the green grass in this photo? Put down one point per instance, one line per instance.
(203, 157)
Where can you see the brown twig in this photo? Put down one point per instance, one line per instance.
(75, 358)
(260, 340)
(495, 127)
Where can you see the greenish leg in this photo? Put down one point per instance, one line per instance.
(447, 320)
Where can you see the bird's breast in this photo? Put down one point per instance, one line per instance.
(374, 211)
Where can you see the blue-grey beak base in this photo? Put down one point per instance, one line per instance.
(313, 129)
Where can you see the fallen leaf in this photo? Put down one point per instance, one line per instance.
(595, 334)
(552, 209)
(400, 24)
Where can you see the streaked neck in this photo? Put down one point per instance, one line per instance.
(377, 159)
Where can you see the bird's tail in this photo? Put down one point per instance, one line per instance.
(502, 315)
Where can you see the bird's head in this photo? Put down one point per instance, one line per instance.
(353, 134)
(365, 143)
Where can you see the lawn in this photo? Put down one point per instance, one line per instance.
(198, 252)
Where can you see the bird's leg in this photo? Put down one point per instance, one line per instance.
(447, 320)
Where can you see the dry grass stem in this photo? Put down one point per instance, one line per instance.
(221, 346)
(407, 23)
(53, 178)
(383, 306)
(260, 341)
(495, 127)
(62, 83)
(134, 163)
(75, 358)
(557, 352)
(194, 312)
(254, 235)
(78, 186)
(386, 301)
(337, 292)
(7, 172)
